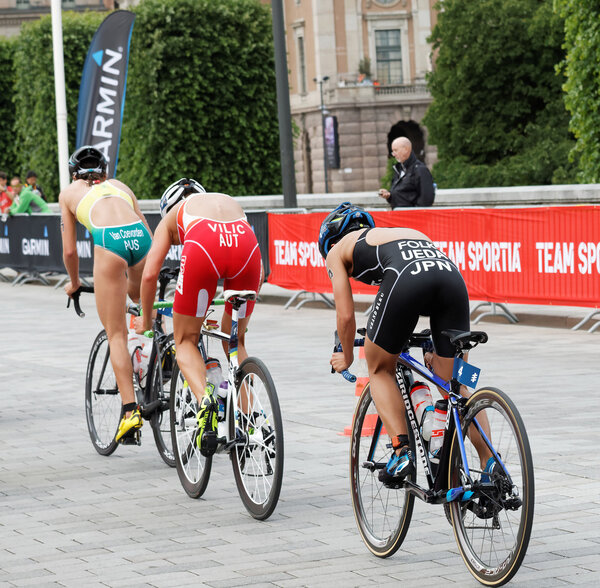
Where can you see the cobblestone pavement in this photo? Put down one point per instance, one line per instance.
(70, 517)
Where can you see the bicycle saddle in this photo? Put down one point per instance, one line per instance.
(243, 294)
(467, 339)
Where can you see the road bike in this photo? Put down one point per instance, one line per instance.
(103, 407)
(491, 512)
(250, 428)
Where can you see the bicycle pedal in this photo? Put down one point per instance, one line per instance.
(133, 437)
(209, 443)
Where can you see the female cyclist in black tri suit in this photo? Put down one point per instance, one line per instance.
(415, 279)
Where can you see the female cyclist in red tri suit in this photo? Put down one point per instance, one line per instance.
(218, 243)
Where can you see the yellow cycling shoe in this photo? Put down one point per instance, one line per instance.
(134, 421)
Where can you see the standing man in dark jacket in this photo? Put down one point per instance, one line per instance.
(412, 184)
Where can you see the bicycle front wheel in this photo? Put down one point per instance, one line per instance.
(382, 514)
(492, 531)
(255, 424)
(160, 391)
(102, 398)
(193, 468)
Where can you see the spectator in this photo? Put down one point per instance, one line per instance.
(412, 184)
(26, 200)
(31, 179)
(5, 194)
(15, 186)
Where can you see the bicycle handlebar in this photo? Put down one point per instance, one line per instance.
(75, 297)
(347, 375)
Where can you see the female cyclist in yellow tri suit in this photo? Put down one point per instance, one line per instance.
(122, 238)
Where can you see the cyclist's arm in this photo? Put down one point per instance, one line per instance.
(68, 226)
(344, 304)
(161, 243)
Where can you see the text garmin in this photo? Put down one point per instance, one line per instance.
(105, 110)
(35, 247)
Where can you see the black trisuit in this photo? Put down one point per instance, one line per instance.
(416, 279)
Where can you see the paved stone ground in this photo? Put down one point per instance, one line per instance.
(70, 517)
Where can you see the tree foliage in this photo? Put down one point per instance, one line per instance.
(34, 97)
(497, 115)
(582, 70)
(7, 108)
(201, 98)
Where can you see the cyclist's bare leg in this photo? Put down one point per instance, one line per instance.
(134, 278)
(443, 367)
(186, 332)
(110, 286)
(384, 389)
(242, 326)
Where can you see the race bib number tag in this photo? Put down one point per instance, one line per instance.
(465, 373)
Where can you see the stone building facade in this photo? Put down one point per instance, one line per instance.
(370, 59)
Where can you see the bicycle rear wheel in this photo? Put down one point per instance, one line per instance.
(102, 398)
(382, 514)
(492, 532)
(160, 390)
(255, 422)
(193, 468)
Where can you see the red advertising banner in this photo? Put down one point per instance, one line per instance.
(542, 255)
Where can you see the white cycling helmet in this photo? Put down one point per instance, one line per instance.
(177, 191)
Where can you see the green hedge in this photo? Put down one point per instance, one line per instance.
(7, 108)
(201, 97)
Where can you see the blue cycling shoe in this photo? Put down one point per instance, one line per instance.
(492, 469)
(398, 468)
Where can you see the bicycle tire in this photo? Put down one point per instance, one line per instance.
(382, 514)
(256, 423)
(193, 468)
(102, 398)
(493, 536)
(160, 389)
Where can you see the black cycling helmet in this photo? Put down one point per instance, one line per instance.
(178, 191)
(339, 222)
(87, 160)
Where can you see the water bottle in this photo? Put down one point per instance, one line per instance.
(422, 402)
(222, 398)
(214, 375)
(141, 359)
(439, 424)
(134, 341)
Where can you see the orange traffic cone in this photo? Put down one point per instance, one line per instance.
(361, 382)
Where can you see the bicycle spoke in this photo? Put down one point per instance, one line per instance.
(493, 530)
(382, 514)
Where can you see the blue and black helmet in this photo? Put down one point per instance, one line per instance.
(339, 222)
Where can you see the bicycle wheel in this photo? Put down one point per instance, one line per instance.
(255, 423)
(193, 468)
(160, 390)
(382, 514)
(492, 532)
(102, 398)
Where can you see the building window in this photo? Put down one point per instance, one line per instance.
(388, 54)
(301, 64)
